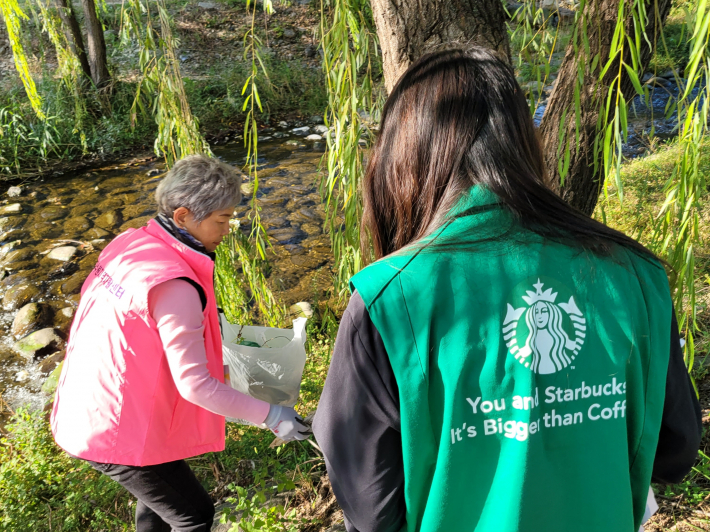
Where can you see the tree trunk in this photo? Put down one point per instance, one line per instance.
(73, 34)
(96, 45)
(408, 29)
(584, 179)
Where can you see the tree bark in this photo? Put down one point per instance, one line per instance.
(96, 45)
(73, 34)
(584, 179)
(408, 29)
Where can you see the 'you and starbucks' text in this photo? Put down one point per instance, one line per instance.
(492, 416)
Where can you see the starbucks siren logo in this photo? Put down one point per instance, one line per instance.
(546, 347)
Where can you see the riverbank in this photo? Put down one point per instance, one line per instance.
(74, 495)
(213, 67)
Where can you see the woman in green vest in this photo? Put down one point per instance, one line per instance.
(507, 363)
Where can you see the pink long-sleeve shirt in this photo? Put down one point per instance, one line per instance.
(176, 308)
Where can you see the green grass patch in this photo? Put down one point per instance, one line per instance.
(293, 87)
(44, 489)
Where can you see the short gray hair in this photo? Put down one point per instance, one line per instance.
(200, 184)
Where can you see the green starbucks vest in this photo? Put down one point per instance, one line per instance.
(531, 376)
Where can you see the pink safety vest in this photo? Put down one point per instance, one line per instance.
(116, 401)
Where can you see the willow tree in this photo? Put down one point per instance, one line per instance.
(599, 67)
(96, 44)
(72, 32)
(408, 29)
(585, 122)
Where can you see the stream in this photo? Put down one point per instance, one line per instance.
(52, 232)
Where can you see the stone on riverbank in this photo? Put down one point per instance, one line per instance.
(38, 343)
(7, 248)
(13, 192)
(301, 131)
(74, 283)
(50, 363)
(19, 295)
(76, 226)
(17, 255)
(63, 253)
(30, 317)
(314, 137)
(107, 220)
(63, 319)
(50, 385)
(96, 232)
(14, 208)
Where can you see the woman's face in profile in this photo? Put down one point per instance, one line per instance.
(542, 316)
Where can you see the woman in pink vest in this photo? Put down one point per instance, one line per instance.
(143, 381)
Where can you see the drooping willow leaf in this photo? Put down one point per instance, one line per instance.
(13, 16)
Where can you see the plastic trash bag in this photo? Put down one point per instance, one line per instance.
(271, 372)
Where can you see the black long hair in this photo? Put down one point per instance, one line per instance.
(456, 118)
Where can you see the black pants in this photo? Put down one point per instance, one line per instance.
(170, 498)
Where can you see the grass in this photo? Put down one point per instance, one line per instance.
(644, 180)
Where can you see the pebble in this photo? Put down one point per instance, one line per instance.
(37, 342)
(50, 363)
(7, 248)
(208, 5)
(314, 137)
(13, 208)
(19, 295)
(154, 172)
(301, 131)
(50, 385)
(63, 253)
(283, 124)
(29, 317)
(320, 129)
(289, 33)
(74, 283)
(107, 220)
(13, 192)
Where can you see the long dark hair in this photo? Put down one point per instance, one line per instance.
(457, 118)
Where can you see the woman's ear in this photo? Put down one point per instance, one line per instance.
(180, 216)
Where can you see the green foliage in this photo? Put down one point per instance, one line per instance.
(533, 41)
(293, 86)
(350, 45)
(28, 142)
(258, 512)
(239, 265)
(695, 488)
(13, 15)
(672, 51)
(44, 489)
(160, 88)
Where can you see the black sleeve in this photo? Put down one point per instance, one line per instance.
(357, 426)
(681, 426)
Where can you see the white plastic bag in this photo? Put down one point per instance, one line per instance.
(272, 373)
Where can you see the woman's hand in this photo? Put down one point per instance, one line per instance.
(285, 423)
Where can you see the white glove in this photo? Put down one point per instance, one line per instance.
(285, 423)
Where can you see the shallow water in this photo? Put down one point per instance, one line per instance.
(645, 119)
(87, 209)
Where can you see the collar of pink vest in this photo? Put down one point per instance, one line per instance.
(191, 255)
